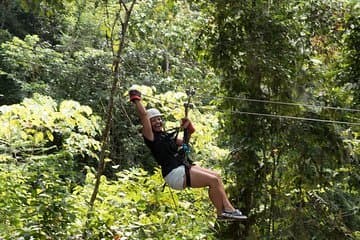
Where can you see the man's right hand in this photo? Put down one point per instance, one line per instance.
(135, 95)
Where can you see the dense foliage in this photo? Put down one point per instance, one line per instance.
(46, 181)
(282, 53)
(276, 112)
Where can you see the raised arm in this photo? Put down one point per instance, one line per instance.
(135, 97)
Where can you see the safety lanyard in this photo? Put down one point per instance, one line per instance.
(190, 92)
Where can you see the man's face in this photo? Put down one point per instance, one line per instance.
(156, 124)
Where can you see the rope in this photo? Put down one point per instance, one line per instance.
(276, 115)
(284, 103)
(296, 118)
(172, 196)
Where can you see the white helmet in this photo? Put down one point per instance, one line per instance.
(153, 112)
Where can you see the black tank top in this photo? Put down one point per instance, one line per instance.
(165, 151)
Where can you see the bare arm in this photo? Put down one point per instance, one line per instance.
(147, 130)
(135, 97)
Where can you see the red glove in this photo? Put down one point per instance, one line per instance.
(186, 123)
(134, 95)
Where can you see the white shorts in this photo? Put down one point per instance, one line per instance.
(175, 179)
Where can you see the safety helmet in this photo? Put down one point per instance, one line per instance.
(153, 112)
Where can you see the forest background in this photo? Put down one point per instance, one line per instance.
(276, 111)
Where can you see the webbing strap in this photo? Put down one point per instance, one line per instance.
(186, 137)
(187, 174)
(172, 132)
(187, 161)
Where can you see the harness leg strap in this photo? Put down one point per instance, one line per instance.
(187, 174)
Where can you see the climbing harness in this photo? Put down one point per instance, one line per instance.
(185, 150)
(187, 105)
(182, 153)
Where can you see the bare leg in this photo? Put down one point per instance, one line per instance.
(201, 177)
(226, 203)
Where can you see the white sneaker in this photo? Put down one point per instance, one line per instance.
(236, 214)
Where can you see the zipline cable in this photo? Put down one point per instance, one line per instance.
(33, 49)
(269, 115)
(295, 118)
(282, 103)
(274, 102)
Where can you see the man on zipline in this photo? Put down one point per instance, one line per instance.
(177, 173)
